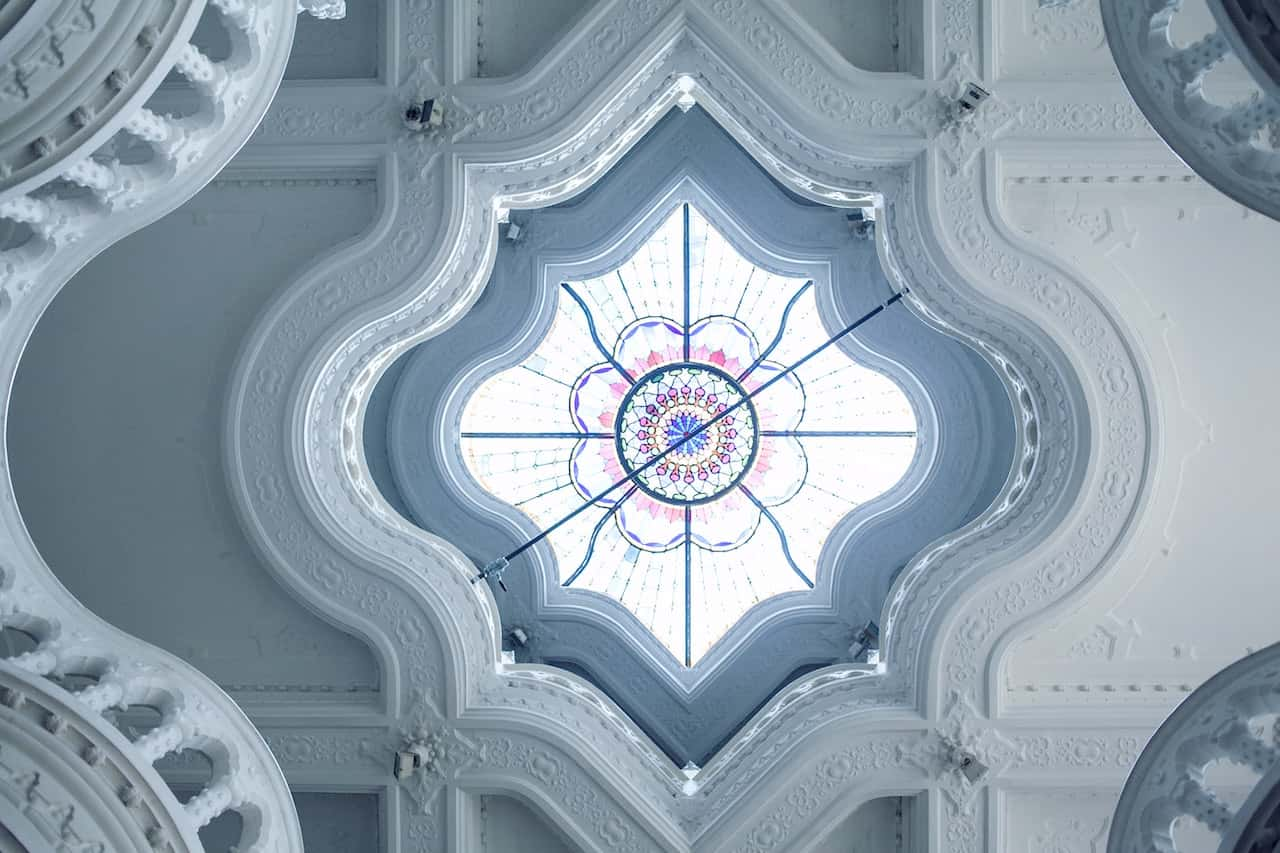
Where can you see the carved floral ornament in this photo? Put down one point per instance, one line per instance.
(939, 617)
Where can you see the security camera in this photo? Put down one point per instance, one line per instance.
(866, 640)
(403, 765)
(862, 222)
(972, 98)
(424, 115)
(419, 754)
(970, 767)
(965, 762)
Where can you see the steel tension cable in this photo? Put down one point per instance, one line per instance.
(495, 568)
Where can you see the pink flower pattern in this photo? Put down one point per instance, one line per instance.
(728, 519)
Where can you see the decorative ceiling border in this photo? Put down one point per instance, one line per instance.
(66, 238)
(325, 530)
(686, 185)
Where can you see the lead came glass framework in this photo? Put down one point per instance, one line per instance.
(639, 359)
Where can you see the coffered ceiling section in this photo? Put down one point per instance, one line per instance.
(346, 48)
(874, 35)
(505, 39)
(115, 423)
(1053, 39)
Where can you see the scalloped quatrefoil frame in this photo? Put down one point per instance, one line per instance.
(295, 459)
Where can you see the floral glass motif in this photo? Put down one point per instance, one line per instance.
(652, 380)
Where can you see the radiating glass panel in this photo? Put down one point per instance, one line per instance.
(637, 400)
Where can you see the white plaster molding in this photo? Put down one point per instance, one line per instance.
(1214, 724)
(1157, 661)
(575, 123)
(323, 9)
(67, 233)
(75, 72)
(69, 780)
(1217, 140)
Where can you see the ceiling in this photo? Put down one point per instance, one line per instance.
(964, 455)
(130, 395)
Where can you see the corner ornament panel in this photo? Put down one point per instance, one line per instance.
(1078, 388)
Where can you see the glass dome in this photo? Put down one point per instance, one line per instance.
(648, 399)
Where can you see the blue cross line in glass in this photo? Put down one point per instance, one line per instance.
(682, 431)
(679, 446)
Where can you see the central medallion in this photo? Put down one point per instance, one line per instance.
(701, 423)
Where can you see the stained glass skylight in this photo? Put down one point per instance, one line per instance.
(653, 376)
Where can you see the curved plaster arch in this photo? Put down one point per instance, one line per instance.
(30, 278)
(1083, 433)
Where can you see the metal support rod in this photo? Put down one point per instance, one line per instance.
(496, 567)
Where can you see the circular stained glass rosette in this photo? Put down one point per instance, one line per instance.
(665, 412)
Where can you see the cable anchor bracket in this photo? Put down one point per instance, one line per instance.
(493, 569)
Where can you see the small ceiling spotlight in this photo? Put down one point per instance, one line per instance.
(513, 231)
(425, 115)
(685, 86)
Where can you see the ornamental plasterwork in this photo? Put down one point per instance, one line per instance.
(587, 221)
(304, 489)
(74, 639)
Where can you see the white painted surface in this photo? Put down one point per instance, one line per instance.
(865, 32)
(508, 825)
(512, 35)
(1195, 278)
(115, 436)
(879, 826)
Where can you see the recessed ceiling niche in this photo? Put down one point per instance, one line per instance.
(507, 40)
(655, 303)
(873, 35)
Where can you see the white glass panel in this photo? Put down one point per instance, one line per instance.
(750, 539)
